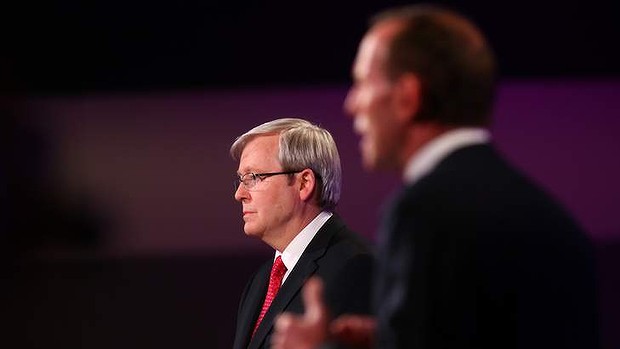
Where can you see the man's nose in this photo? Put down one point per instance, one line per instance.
(241, 193)
(350, 103)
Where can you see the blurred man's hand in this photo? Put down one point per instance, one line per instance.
(305, 331)
(355, 331)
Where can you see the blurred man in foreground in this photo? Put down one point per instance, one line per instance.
(472, 254)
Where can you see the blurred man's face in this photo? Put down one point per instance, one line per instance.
(370, 101)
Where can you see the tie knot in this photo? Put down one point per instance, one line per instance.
(278, 269)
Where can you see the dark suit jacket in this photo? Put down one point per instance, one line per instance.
(338, 256)
(474, 255)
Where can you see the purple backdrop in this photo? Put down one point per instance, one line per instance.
(156, 167)
(158, 164)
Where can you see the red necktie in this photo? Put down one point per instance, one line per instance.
(275, 280)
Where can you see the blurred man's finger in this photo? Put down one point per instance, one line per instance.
(355, 330)
(313, 301)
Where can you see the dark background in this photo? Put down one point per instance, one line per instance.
(73, 46)
(121, 218)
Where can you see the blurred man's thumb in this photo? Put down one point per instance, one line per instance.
(313, 300)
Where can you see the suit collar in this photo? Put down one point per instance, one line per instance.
(252, 306)
(295, 249)
(305, 267)
(425, 159)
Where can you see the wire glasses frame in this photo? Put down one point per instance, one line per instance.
(249, 180)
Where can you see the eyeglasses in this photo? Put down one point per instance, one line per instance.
(249, 180)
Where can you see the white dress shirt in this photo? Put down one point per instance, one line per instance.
(425, 160)
(294, 250)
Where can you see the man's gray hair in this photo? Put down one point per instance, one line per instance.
(302, 145)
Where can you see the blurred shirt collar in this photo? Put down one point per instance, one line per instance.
(425, 160)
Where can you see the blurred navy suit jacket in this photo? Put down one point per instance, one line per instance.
(474, 255)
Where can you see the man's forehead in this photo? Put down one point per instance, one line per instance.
(263, 142)
(373, 49)
(260, 151)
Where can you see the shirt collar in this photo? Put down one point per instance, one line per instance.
(297, 246)
(439, 148)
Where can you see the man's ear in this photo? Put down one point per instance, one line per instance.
(307, 184)
(407, 97)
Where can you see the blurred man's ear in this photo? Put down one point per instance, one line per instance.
(407, 97)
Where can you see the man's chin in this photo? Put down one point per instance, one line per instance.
(251, 232)
(369, 162)
(378, 165)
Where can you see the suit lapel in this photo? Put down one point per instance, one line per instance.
(305, 267)
(252, 304)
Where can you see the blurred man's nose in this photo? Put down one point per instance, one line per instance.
(349, 103)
